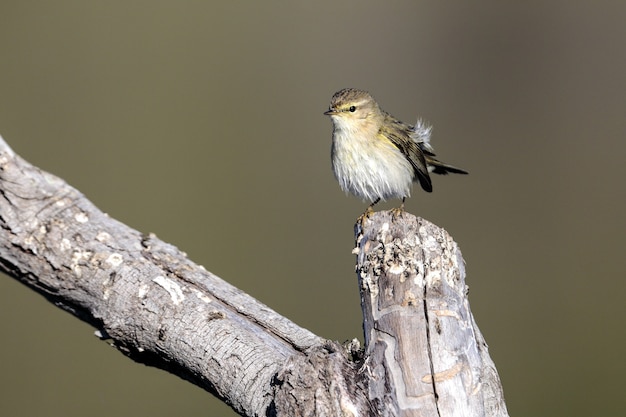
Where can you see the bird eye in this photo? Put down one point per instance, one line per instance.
(352, 109)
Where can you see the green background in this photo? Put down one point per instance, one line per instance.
(202, 122)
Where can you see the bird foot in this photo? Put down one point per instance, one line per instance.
(397, 212)
(366, 215)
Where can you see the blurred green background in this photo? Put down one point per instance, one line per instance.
(202, 122)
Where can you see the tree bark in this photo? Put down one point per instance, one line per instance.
(423, 353)
(426, 356)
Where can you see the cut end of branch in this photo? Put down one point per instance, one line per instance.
(422, 345)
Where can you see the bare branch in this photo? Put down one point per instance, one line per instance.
(144, 295)
(423, 356)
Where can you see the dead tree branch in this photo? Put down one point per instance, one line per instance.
(424, 355)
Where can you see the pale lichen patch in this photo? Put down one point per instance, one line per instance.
(115, 260)
(143, 290)
(29, 242)
(176, 293)
(397, 268)
(65, 244)
(78, 257)
(81, 217)
(202, 296)
(103, 237)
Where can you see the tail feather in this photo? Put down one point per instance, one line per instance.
(440, 168)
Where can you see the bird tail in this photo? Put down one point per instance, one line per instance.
(440, 168)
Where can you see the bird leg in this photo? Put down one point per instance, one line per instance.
(368, 212)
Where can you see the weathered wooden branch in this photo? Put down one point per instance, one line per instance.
(424, 355)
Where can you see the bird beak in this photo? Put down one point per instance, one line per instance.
(330, 112)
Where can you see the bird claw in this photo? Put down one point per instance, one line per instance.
(397, 212)
(366, 215)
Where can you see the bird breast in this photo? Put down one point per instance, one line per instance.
(369, 165)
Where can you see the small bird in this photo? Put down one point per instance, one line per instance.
(376, 156)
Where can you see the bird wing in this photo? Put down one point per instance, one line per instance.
(399, 134)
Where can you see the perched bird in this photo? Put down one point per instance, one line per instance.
(376, 156)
